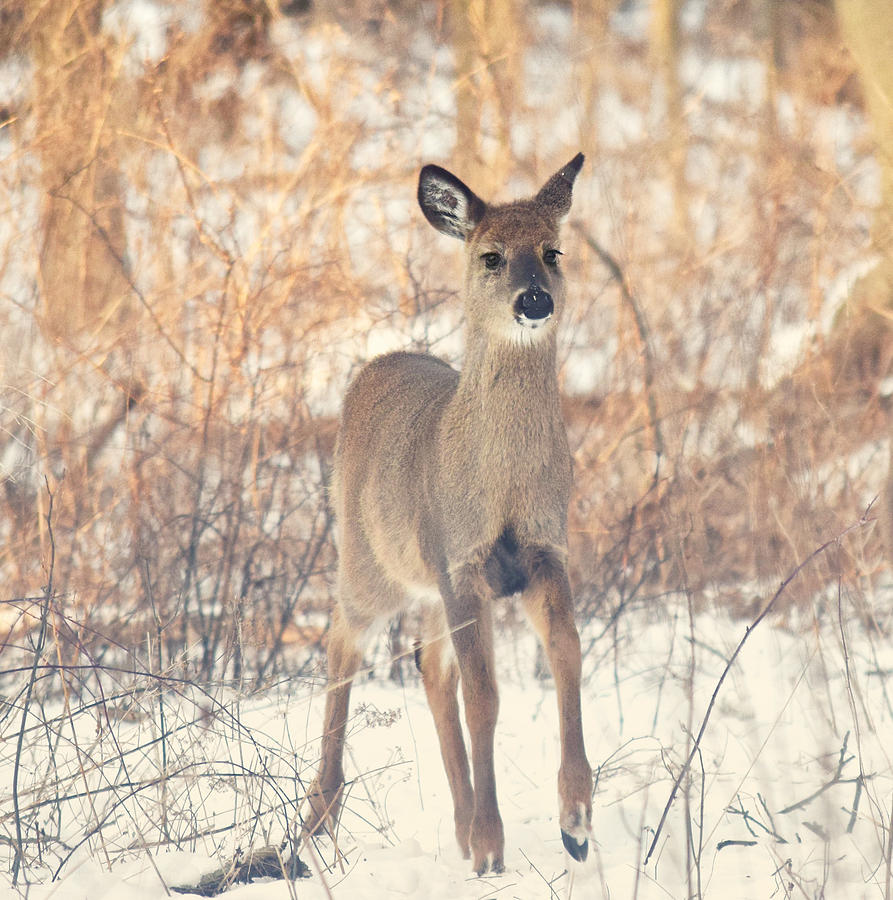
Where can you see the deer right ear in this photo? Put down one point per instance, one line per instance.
(449, 205)
(556, 192)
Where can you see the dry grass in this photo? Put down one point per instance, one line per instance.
(199, 247)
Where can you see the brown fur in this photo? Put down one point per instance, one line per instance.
(458, 484)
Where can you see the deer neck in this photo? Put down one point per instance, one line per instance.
(510, 384)
(504, 450)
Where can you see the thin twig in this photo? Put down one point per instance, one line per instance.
(864, 520)
(723, 844)
(32, 680)
(854, 812)
(842, 761)
(549, 884)
(629, 298)
(888, 857)
(750, 820)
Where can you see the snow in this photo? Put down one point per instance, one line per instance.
(144, 25)
(792, 701)
(738, 81)
(803, 689)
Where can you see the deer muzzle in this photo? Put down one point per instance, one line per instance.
(533, 307)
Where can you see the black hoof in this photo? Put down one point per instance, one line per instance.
(496, 867)
(579, 851)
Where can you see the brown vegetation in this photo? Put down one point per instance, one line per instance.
(208, 222)
(205, 236)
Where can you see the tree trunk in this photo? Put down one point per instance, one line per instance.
(591, 27)
(867, 28)
(665, 49)
(488, 37)
(79, 102)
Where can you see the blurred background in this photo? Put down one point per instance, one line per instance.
(209, 221)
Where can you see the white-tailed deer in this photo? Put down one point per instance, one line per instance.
(452, 488)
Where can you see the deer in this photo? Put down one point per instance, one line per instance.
(450, 490)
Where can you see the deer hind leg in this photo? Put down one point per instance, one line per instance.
(440, 675)
(468, 615)
(323, 800)
(549, 607)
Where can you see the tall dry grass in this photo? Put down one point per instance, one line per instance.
(206, 235)
(209, 222)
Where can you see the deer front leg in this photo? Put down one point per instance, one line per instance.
(440, 675)
(468, 616)
(549, 607)
(323, 799)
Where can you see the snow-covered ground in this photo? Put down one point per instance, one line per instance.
(789, 796)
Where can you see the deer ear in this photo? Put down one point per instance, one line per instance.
(450, 206)
(556, 192)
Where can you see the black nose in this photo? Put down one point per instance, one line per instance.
(534, 304)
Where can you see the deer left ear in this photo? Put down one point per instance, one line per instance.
(556, 192)
(449, 205)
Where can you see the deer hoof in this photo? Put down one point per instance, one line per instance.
(578, 850)
(492, 865)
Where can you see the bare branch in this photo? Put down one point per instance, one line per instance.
(863, 521)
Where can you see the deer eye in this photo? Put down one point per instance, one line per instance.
(492, 260)
(550, 257)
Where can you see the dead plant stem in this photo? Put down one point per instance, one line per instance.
(643, 332)
(32, 680)
(888, 881)
(728, 667)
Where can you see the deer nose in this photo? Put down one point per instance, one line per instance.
(533, 305)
